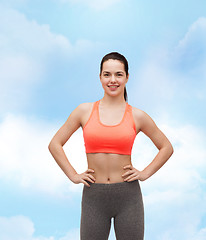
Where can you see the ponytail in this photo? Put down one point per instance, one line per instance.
(125, 94)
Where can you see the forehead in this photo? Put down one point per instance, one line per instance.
(113, 65)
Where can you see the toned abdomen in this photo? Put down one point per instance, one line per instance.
(108, 167)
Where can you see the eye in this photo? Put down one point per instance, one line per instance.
(106, 74)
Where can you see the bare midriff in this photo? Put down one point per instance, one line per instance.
(108, 167)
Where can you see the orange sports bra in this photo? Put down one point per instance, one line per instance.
(101, 138)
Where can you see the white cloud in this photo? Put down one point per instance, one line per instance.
(194, 42)
(23, 229)
(26, 160)
(27, 35)
(176, 76)
(96, 5)
(18, 228)
(25, 47)
(72, 234)
(189, 56)
(22, 36)
(156, 82)
(174, 197)
(28, 53)
(201, 235)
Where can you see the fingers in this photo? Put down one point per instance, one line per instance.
(88, 177)
(86, 183)
(127, 173)
(128, 166)
(134, 175)
(132, 179)
(91, 176)
(130, 175)
(90, 170)
(89, 180)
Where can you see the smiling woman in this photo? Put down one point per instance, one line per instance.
(120, 60)
(111, 182)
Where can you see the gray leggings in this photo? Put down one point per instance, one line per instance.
(102, 201)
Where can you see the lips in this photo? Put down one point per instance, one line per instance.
(113, 86)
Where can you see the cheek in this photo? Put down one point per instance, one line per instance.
(121, 81)
(104, 82)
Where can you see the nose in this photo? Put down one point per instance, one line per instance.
(113, 79)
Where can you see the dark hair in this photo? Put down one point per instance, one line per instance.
(121, 58)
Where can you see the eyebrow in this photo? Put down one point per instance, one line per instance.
(109, 72)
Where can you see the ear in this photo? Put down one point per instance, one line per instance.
(127, 77)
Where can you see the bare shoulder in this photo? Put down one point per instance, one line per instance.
(138, 113)
(73, 122)
(142, 119)
(84, 107)
(84, 111)
(149, 128)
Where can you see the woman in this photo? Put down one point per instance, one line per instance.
(111, 182)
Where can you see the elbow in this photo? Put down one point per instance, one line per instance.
(50, 146)
(53, 145)
(170, 149)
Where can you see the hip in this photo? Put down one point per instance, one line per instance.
(113, 194)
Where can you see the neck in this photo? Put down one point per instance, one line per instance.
(109, 100)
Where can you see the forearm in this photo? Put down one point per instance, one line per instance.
(160, 159)
(59, 155)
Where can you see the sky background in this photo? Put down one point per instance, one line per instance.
(50, 53)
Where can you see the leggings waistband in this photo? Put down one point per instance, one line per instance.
(112, 186)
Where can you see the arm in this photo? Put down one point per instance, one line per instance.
(60, 138)
(150, 129)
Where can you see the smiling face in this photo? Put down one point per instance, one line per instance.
(113, 77)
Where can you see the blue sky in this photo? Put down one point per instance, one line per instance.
(50, 52)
